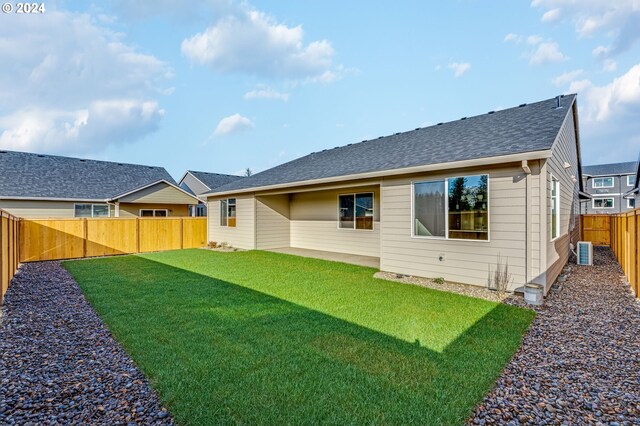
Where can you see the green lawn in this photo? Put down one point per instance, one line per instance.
(264, 338)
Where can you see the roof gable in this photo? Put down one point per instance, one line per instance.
(522, 129)
(213, 180)
(26, 175)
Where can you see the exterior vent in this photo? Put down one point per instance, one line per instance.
(585, 253)
(417, 128)
(397, 133)
(463, 118)
(440, 124)
(522, 105)
(491, 112)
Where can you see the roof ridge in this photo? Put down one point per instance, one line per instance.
(35, 154)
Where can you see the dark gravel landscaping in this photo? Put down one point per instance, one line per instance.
(580, 360)
(58, 362)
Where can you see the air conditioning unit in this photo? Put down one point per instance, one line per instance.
(585, 253)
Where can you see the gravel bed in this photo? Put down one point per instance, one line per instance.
(464, 289)
(58, 362)
(580, 360)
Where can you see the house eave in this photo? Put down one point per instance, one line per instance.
(88, 200)
(533, 155)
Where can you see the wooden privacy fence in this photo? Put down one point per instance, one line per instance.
(596, 228)
(52, 239)
(9, 250)
(625, 231)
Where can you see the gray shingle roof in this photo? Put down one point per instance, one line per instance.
(214, 180)
(49, 176)
(610, 169)
(526, 128)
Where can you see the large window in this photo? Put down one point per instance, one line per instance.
(602, 182)
(91, 210)
(153, 213)
(555, 208)
(631, 203)
(228, 212)
(455, 208)
(355, 211)
(603, 203)
(631, 180)
(429, 206)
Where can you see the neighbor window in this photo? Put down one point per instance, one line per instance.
(555, 208)
(455, 208)
(631, 180)
(153, 213)
(91, 210)
(355, 211)
(631, 203)
(228, 212)
(602, 182)
(603, 203)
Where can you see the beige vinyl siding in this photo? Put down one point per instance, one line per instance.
(314, 223)
(564, 150)
(133, 209)
(160, 193)
(272, 222)
(464, 261)
(194, 184)
(39, 209)
(243, 234)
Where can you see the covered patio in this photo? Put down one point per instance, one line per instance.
(369, 261)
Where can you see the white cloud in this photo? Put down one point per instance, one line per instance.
(618, 19)
(609, 113)
(545, 53)
(233, 124)
(74, 87)
(459, 68)
(266, 93)
(79, 131)
(551, 15)
(252, 42)
(513, 38)
(609, 65)
(534, 39)
(567, 77)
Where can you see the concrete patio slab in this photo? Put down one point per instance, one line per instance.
(372, 262)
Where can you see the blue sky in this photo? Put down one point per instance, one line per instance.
(221, 85)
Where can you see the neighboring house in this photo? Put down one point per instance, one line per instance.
(199, 183)
(441, 201)
(607, 184)
(49, 186)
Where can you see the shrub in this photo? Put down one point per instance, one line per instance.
(212, 244)
(438, 280)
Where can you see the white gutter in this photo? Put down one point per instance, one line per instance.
(485, 161)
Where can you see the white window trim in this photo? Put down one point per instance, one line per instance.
(559, 199)
(226, 225)
(446, 206)
(92, 205)
(166, 211)
(593, 203)
(373, 199)
(629, 202)
(593, 182)
(629, 182)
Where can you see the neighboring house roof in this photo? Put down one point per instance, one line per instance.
(627, 168)
(212, 180)
(27, 175)
(527, 128)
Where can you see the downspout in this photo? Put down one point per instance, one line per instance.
(527, 171)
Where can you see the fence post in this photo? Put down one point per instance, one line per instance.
(181, 233)
(84, 237)
(137, 235)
